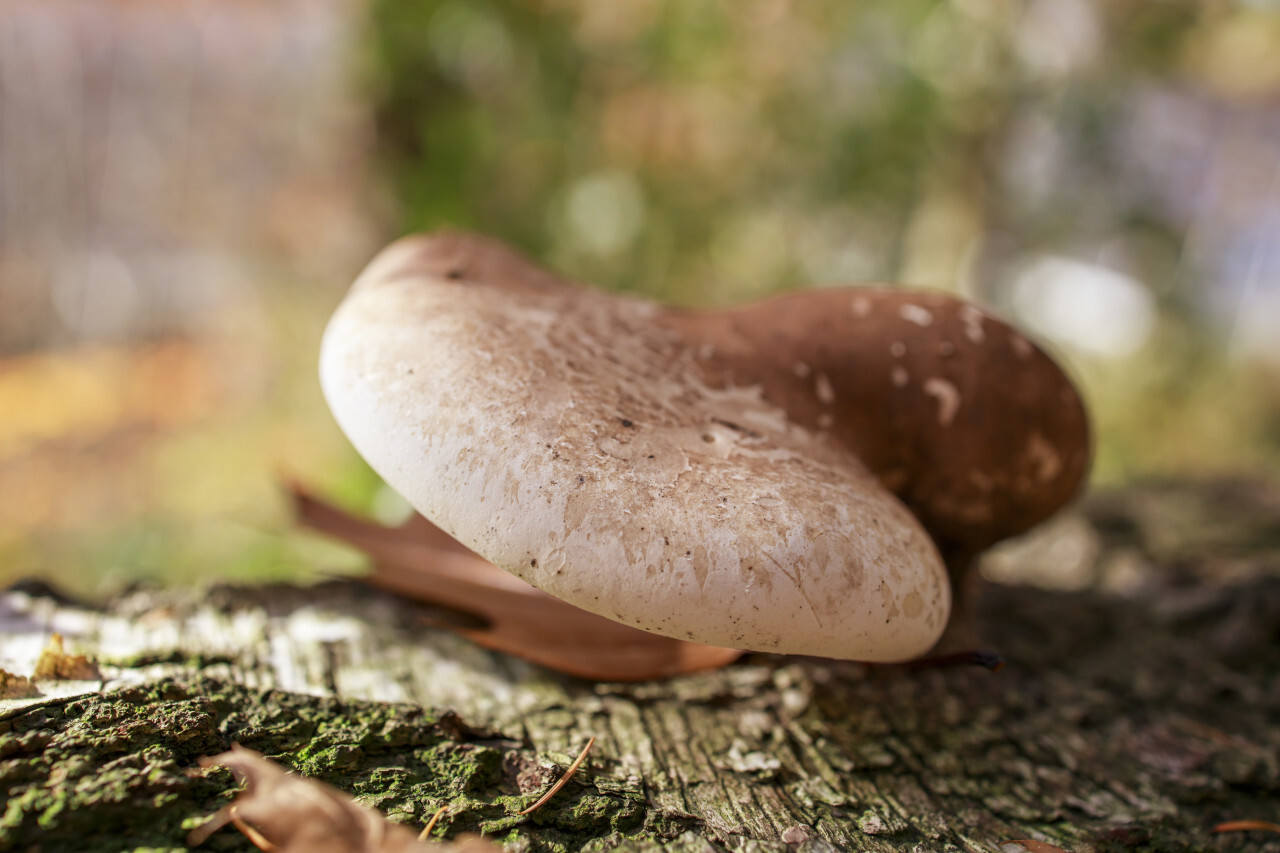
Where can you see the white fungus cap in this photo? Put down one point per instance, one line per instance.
(567, 437)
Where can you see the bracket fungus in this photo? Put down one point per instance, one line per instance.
(792, 476)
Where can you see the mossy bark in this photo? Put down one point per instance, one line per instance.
(1135, 713)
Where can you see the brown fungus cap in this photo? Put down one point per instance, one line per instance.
(594, 446)
(975, 428)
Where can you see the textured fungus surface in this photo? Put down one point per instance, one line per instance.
(734, 477)
(969, 424)
(573, 440)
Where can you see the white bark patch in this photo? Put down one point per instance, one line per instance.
(822, 387)
(900, 377)
(917, 314)
(861, 307)
(948, 397)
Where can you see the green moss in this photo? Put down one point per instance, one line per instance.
(119, 772)
(109, 773)
(599, 814)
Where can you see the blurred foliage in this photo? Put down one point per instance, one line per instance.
(706, 151)
(764, 140)
(164, 461)
(1106, 172)
(182, 202)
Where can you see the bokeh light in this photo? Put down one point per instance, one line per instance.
(186, 189)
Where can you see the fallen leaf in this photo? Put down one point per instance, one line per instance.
(1247, 825)
(16, 686)
(498, 610)
(284, 812)
(55, 664)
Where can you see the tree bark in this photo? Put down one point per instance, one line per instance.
(1136, 712)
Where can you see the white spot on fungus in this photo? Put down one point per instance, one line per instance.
(972, 319)
(948, 397)
(707, 352)
(801, 369)
(946, 349)
(916, 314)
(861, 307)
(900, 377)
(1043, 458)
(822, 387)
(826, 420)
(1021, 346)
(897, 349)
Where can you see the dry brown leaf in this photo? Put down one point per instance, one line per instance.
(498, 610)
(1247, 826)
(56, 665)
(284, 812)
(1029, 845)
(16, 686)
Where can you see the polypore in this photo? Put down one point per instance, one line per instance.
(734, 478)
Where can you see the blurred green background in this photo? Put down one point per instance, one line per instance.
(187, 188)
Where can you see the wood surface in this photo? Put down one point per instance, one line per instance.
(1138, 709)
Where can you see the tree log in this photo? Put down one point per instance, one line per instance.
(1137, 711)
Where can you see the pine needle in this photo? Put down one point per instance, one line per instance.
(259, 840)
(1247, 826)
(431, 824)
(568, 774)
(1030, 845)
